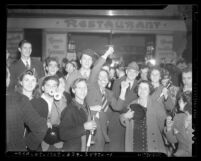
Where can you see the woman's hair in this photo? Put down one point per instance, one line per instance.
(73, 62)
(22, 42)
(151, 88)
(165, 73)
(187, 98)
(187, 69)
(31, 72)
(154, 68)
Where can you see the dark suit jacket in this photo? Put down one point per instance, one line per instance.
(116, 130)
(17, 68)
(72, 127)
(41, 106)
(130, 93)
(19, 112)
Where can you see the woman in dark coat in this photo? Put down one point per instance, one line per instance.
(18, 113)
(143, 129)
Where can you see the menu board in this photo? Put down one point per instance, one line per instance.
(56, 45)
(164, 48)
(13, 39)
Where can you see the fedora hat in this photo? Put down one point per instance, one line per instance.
(133, 65)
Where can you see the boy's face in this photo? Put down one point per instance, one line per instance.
(81, 90)
(28, 83)
(52, 68)
(103, 79)
(50, 87)
(25, 50)
(86, 61)
(155, 76)
(143, 73)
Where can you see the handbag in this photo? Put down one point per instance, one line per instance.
(52, 135)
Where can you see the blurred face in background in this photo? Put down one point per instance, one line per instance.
(143, 73)
(187, 79)
(70, 68)
(165, 80)
(155, 76)
(28, 83)
(103, 79)
(120, 72)
(182, 65)
(112, 73)
(86, 61)
(52, 68)
(25, 50)
(143, 90)
(131, 74)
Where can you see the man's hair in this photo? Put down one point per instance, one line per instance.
(22, 42)
(52, 77)
(50, 59)
(76, 81)
(90, 53)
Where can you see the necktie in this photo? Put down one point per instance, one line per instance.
(104, 103)
(27, 64)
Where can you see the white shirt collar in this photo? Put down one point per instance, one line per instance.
(85, 73)
(102, 91)
(130, 82)
(24, 61)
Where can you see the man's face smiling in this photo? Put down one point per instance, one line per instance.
(26, 50)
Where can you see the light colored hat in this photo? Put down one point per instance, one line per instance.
(133, 65)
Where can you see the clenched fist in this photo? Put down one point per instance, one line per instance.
(90, 125)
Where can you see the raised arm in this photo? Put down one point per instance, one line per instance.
(117, 104)
(98, 65)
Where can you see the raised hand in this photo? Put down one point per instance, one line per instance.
(124, 85)
(182, 104)
(129, 114)
(165, 92)
(110, 51)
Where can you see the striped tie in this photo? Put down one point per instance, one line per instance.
(104, 103)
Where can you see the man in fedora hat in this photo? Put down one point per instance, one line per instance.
(116, 130)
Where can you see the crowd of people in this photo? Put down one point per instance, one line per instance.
(87, 105)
